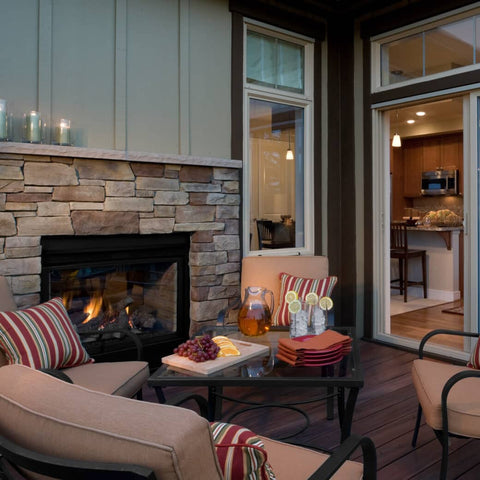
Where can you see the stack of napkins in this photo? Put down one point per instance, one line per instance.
(314, 350)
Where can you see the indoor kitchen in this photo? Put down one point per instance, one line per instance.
(426, 174)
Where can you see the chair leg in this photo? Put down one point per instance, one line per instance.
(443, 439)
(405, 280)
(424, 273)
(400, 272)
(417, 426)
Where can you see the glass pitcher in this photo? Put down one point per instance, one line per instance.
(255, 316)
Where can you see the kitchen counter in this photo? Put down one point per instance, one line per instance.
(444, 232)
(444, 259)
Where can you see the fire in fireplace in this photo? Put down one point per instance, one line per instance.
(136, 282)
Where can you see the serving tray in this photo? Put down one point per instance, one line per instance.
(247, 350)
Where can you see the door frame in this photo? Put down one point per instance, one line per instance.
(381, 228)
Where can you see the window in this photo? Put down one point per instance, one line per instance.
(278, 203)
(440, 48)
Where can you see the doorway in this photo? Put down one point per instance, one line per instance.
(434, 136)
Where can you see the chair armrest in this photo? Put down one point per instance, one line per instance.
(132, 336)
(12, 455)
(442, 331)
(342, 454)
(449, 385)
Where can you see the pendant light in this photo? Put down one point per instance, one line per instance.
(396, 141)
(289, 155)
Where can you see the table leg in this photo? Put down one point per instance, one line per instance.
(160, 395)
(345, 411)
(330, 403)
(214, 403)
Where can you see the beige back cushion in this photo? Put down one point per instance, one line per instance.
(57, 418)
(7, 304)
(265, 271)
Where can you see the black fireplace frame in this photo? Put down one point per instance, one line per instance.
(102, 250)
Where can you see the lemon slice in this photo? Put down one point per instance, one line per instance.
(311, 298)
(291, 295)
(325, 303)
(294, 306)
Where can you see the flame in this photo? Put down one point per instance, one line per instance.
(93, 308)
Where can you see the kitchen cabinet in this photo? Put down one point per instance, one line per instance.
(413, 167)
(428, 153)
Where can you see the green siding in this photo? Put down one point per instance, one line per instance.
(147, 75)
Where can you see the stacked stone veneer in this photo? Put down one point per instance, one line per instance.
(47, 195)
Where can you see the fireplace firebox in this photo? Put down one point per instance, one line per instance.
(136, 282)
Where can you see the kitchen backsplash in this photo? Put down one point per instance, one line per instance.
(423, 205)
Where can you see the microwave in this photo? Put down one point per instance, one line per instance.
(440, 182)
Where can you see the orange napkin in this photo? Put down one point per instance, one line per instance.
(324, 341)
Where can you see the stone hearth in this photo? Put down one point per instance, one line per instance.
(49, 190)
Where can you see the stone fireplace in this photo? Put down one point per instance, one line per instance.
(51, 191)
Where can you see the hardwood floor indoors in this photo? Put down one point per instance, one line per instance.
(415, 324)
(385, 411)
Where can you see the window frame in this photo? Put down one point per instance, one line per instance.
(423, 27)
(302, 100)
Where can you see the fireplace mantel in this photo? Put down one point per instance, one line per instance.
(105, 154)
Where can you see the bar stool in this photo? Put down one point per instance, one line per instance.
(399, 249)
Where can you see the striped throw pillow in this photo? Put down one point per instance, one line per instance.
(323, 287)
(240, 452)
(41, 337)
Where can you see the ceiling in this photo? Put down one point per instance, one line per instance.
(442, 116)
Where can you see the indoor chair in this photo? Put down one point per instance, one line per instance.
(124, 378)
(399, 249)
(54, 427)
(448, 397)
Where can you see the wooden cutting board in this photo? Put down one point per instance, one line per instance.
(247, 350)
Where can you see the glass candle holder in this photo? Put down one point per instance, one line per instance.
(3, 120)
(33, 127)
(62, 132)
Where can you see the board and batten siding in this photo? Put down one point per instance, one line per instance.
(143, 75)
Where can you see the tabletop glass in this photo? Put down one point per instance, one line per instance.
(267, 368)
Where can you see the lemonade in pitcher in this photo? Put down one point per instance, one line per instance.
(255, 316)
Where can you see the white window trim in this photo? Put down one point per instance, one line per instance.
(304, 101)
(377, 41)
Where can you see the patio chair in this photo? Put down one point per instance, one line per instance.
(448, 397)
(124, 378)
(56, 428)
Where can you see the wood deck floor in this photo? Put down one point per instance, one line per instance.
(385, 411)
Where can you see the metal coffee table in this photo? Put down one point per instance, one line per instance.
(342, 380)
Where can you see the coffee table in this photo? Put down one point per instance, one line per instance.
(342, 380)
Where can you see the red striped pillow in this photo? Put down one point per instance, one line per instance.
(323, 287)
(41, 337)
(240, 452)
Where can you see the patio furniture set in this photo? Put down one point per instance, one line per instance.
(79, 420)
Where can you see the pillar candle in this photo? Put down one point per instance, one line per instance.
(63, 132)
(3, 119)
(33, 127)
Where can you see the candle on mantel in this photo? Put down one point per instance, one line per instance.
(33, 127)
(3, 119)
(63, 132)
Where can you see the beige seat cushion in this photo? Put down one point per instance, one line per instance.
(292, 462)
(116, 378)
(463, 406)
(57, 418)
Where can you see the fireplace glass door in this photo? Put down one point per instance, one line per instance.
(138, 282)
